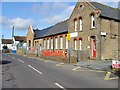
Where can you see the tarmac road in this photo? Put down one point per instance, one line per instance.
(25, 72)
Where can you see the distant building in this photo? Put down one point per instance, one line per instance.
(6, 42)
(19, 41)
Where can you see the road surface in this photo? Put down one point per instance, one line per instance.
(23, 72)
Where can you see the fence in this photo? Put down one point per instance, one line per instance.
(75, 55)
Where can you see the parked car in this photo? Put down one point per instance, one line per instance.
(5, 49)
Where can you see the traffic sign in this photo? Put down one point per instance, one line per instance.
(68, 36)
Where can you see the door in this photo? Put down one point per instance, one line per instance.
(93, 46)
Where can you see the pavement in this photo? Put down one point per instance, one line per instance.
(104, 65)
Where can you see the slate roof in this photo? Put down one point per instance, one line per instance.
(20, 38)
(107, 11)
(58, 28)
(6, 41)
(40, 33)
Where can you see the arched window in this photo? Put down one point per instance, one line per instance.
(75, 24)
(92, 20)
(61, 42)
(56, 43)
(44, 44)
(29, 43)
(48, 44)
(80, 41)
(75, 44)
(80, 20)
(81, 7)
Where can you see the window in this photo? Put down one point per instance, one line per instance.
(44, 43)
(66, 43)
(81, 7)
(35, 43)
(48, 44)
(75, 24)
(61, 42)
(92, 21)
(80, 44)
(29, 43)
(80, 24)
(51, 43)
(75, 44)
(56, 43)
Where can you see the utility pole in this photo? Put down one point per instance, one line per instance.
(12, 33)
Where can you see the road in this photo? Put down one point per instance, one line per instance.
(25, 72)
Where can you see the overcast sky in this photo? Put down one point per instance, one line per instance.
(38, 14)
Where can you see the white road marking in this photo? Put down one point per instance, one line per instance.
(35, 69)
(13, 57)
(59, 86)
(46, 60)
(76, 68)
(20, 60)
(59, 64)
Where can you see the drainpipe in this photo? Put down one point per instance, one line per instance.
(99, 39)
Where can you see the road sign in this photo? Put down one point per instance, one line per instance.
(68, 36)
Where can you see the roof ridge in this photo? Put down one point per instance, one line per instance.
(106, 5)
(61, 21)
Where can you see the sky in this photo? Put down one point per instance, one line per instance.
(38, 13)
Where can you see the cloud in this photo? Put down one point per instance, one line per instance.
(106, 0)
(50, 8)
(59, 17)
(19, 23)
(53, 12)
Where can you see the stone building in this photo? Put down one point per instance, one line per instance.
(49, 39)
(93, 28)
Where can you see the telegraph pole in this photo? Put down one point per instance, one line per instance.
(12, 33)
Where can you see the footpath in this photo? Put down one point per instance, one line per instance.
(104, 65)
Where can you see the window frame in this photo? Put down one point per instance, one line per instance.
(92, 21)
(75, 24)
(61, 42)
(56, 43)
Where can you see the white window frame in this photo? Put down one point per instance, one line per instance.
(61, 42)
(75, 24)
(66, 43)
(92, 20)
(51, 43)
(75, 44)
(48, 43)
(81, 24)
(56, 43)
(80, 44)
(44, 44)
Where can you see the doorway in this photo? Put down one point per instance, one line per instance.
(93, 46)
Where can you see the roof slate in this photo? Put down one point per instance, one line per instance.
(40, 33)
(58, 28)
(6, 41)
(53, 30)
(107, 11)
(20, 38)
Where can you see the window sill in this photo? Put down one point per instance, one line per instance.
(92, 28)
